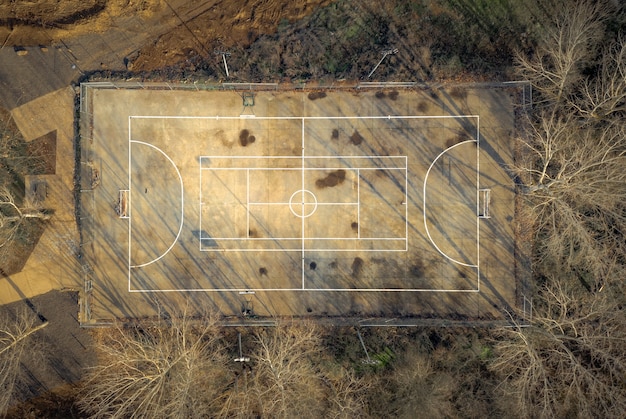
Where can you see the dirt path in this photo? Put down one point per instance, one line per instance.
(53, 263)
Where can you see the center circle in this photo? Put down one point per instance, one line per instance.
(302, 203)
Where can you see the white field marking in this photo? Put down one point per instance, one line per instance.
(477, 202)
(298, 249)
(248, 203)
(182, 206)
(200, 226)
(335, 157)
(424, 209)
(294, 118)
(306, 289)
(298, 169)
(308, 238)
(302, 189)
(307, 203)
(389, 117)
(358, 200)
(406, 204)
(130, 222)
(303, 205)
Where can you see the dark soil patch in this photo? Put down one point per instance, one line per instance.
(357, 267)
(380, 95)
(356, 138)
(335, 134)
(459, 138)
(355, 226)
(332, 179)
(245, 138)
(417, 269)
(393, 95)
(316, 95)
(422, 107)
(313, 266)
(263, 271)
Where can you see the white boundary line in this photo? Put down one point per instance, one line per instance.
(295, 118)
(302, 234)
(130, 205)
(247, 203)
(406, 203)
(283, 250)
(201, 205)
(358, 200)
(308, 289)
(299, 169)
(477, 202)
(424, 209)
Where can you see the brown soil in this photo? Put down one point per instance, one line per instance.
(44, 22)
(332, 179)
(356, 138)
(317, 95)
(245, 138)
(227, 24)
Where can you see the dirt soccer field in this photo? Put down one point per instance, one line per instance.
(353, 202)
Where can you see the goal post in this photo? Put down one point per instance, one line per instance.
(121, 207)
(484, 199)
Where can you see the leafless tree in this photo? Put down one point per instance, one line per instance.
(286, 381)
(566, 47)
(16, 340)
(290, 375)
(420, 387)
(570, 362)
(13, 215)
(576, 183)
(176, 368)
(574, 153)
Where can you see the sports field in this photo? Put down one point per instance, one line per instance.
(347, 202)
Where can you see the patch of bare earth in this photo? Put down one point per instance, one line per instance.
(228, 23)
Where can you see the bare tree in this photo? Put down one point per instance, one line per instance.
(566, 47)
(16, 340)
(176, 368)
(13, 215)
(576, 183)
(570, 362)
(574, 153)
(286, 381)
(420, 387)
(291, 376)
(346, 394)
(603, 97)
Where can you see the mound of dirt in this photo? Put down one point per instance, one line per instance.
(48, 12)
(227, 24)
